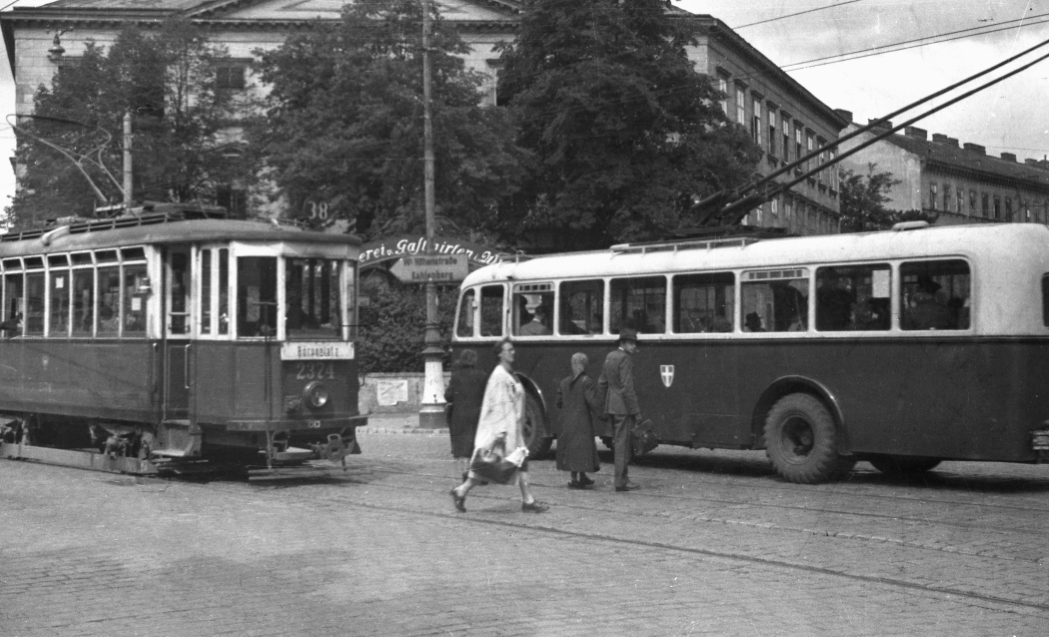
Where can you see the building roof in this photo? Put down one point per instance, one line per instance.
(946, 153)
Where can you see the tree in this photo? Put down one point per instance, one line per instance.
(344, 123)
(167, 80)
(862, 202)
(623, 130)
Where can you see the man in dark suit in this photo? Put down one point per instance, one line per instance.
(617, 386)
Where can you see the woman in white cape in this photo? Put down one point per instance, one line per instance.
(502, 416)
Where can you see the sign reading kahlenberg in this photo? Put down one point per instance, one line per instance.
(448, 268)
(316, 351)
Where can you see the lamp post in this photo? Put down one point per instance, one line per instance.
(432, 413)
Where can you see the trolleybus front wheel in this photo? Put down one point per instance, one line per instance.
(801, 441)
(902, 465)
(535, 437)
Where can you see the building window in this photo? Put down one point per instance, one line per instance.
(786, 137)
(231, 76)
(972, 203)
(810, 145)
(985, 207)
(723, 87)
(772, 132)
(755, 126)
(934, 191)
(822, 159)
(1009, 209)
(946, 197)
(997, 207)
(798, 152)
(234, 200)
(741, 106)
(833, 171)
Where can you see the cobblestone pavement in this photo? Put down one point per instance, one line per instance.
(713, 544)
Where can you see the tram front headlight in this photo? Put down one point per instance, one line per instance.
(315, 395)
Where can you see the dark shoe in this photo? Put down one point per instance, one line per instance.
(576, 485)
(459, 502)
(586, 482)
(534, 507)
(629, 486)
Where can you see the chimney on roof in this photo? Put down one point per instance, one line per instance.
(846, 115)
(883, 125)
(1032, 162)
(940, 138)
(915, 132)
(1009, 157)
(953, 141)
(976, 148)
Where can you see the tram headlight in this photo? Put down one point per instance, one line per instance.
(315, 395)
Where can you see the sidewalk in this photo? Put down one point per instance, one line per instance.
(398, 423)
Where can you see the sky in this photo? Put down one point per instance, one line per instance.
(948, 40)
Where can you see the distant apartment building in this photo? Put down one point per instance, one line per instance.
(785, 120)
(959, 182)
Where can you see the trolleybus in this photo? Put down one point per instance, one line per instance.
(903, 348)
(166, 339)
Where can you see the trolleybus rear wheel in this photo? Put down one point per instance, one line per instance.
(900, 465)
(535, 437)
(801, 441)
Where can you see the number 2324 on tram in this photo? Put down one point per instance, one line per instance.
(142, 342)
(902, 348)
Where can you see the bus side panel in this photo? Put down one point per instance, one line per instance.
(215, 374)
(76, 378)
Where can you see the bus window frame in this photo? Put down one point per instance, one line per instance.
(898, 299)
(559, 303)
(810, 272)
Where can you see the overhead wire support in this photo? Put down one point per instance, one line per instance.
(737, 197)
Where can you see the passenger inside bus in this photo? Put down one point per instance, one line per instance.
(753, 323)
(835, 299)
(538, 325)
(927, 308)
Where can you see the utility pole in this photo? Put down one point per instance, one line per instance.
(127, 162)
(432, 413)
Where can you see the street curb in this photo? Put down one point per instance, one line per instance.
(401, 430)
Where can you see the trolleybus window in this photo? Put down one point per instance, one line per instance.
(312, 296)
(465, 326)
(34, 287)
(492, 310)
(59, 295)
(533, 309)
(582, 305)
(256, 296)
(853, 298)
(704, 302)
(934, 295)
(775, 300)
(109, 300)
(639, 303)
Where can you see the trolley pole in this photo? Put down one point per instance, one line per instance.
(432, 413)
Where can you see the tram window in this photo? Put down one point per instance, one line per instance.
(935, 295)
(58, 299)
(106, 256)
(312, 296)
(34, 283)
(1045, 300)
(83, 302)
(853, 298)
(14, 308)
(492, 310)
(582, 305)
(775, 300)
(224, 291)
(134, 303)
(533, 309)
(465, 325)
(205, 291)
(639, 303)
(179, 291)
(108, 300)
(256, 296)
(351, 300)
(133, 254)
(704, 302)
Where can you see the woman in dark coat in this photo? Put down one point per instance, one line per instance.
(465, 392)
(576, 449)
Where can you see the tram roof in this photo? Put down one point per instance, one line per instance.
(1000, 243)
(124, 232)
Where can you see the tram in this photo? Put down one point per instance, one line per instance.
(174, 339)
(903, 348)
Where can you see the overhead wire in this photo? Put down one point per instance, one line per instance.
(791, 15)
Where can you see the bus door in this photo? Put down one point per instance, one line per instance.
(177, 331)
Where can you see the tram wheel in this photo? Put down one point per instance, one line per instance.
(902, 465)
(801, 441)
(535, 437)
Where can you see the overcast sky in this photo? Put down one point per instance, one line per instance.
(948, 40)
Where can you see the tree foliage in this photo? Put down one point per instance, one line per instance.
(623, 130)
(166, 80)
(863, 198)
(344, 123)
(393, 325)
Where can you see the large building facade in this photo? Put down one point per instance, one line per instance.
(785, 120)
(957, 182)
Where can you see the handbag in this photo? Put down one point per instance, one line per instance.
(642, 438)
(492, 465)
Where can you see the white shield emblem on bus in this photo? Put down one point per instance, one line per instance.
(666, 372)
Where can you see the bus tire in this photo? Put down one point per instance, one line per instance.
(801, 441)
(902, 465)
(534, 428)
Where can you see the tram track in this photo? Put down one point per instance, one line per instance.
(1006, 603)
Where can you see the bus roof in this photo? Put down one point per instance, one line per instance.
(999, 243)
(96, 235)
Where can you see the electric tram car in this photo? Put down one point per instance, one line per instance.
(172, 339)
(902, 348)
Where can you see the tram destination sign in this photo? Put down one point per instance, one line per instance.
(316, 351)
(438, 268)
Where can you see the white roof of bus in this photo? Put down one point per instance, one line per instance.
(997, 243)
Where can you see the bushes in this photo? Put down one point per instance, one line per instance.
(393, 325)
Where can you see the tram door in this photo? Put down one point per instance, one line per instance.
(177, 344)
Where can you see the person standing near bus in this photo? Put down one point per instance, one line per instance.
(576, 451)
(464, 395)
(616, 385)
